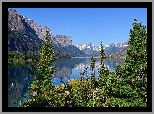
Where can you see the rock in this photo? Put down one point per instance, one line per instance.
(62, 39)
(25, 36)
(19, 22)
(14, 20)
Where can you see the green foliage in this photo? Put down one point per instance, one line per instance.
(102, 54)
(129, 85)
(126, 87)
(16, 58)
(42, 88)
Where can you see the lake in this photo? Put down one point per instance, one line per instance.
(68, 68)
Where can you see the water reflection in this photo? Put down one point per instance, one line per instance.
(18, 79)
(68, 68)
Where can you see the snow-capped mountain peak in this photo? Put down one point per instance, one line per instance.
(91, 49)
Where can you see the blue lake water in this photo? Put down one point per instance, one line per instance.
(68, 68)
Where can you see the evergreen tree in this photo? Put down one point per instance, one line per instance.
(42, 88)
(102, 54)
(128, 87)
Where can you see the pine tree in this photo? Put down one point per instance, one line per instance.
(102, 54)
(128, 88)
(103, 73)
(42, 88)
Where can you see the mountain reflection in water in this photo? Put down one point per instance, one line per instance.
(67, 68)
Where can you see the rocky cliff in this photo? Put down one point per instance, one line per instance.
(25, 36)
(19, 22)
(22, 23)
(62, 39)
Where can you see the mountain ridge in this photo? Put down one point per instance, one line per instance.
(109, 49)
(24, 34)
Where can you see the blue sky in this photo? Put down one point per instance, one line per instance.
(84, 25)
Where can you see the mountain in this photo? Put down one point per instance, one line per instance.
(68, 51)
(25, 36)
(89, 49)
(119, 54)
(112, 48)
(23, 42)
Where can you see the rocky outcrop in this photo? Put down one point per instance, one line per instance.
(14, 20)
(20, 23)
(40, 31)
(62, 39)
(25, 36)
